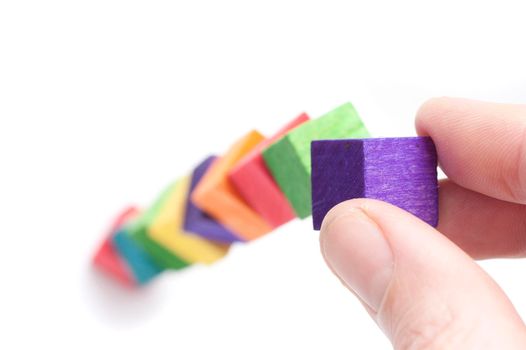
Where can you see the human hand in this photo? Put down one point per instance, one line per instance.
(422, 288)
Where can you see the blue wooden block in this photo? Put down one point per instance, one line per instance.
(141, 264)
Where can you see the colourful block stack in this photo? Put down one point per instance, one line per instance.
(258, 185)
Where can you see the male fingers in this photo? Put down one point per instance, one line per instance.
(482, 226)
(422, 290)
(481, 146)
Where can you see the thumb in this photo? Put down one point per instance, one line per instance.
(421, 289)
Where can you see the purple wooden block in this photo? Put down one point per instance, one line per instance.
(401, 171)
(198, 222)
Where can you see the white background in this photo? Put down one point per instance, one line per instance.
(102, 103)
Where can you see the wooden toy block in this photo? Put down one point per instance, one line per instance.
(167, 230)
(138, 230)
(256, 185)
(197, 221)
(108, 259)
(401, 171)
(216, 196)
(289, 158)
(139, 261)
(159, 254)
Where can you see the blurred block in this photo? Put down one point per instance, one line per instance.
(197, 221)
(401, 171)
(107, 258)
(139, 261)
(138, 230)
(256, 185)
(167, 229)
(289, 158)
(216, 196)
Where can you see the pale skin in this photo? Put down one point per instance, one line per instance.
(420, 284)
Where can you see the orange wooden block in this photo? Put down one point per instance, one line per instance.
(216, 196)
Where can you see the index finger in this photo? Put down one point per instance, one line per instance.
(481, 146)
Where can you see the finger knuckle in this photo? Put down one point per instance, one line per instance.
(431, 329)
(514, 177)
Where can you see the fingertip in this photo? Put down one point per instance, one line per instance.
(344, 208)
(357, 252)
(430, 108)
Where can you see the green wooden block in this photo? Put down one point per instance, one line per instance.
(288, 159)
(138, 230)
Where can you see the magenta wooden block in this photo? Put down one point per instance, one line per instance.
(401, 171)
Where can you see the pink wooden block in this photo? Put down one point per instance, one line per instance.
(107, 258)
(256, 185)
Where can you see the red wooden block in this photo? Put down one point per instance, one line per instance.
(108, 259)
(256, 185)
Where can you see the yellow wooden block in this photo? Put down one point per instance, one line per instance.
(167, 230)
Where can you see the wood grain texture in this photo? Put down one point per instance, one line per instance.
(167, 229)
(256, 185)
(403, 172)
(107, 258)
(217, 197)
(400, 171)
(289, 160)
(197, 221)
(337, 175)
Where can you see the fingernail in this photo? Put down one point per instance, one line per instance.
(357, 252)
